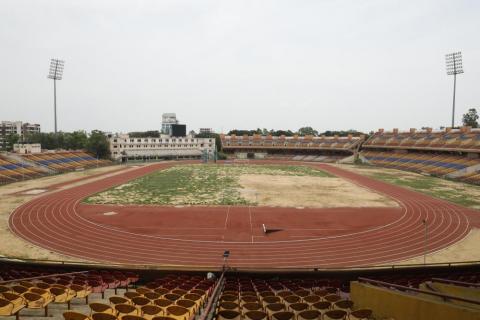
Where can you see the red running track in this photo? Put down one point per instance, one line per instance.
(197, 236)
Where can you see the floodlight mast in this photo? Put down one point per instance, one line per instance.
(454, 67)
(55, 73)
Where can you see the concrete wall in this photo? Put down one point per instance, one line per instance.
(453, 290)
(402, 306)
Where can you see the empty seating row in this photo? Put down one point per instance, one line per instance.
(463, 139)
(65, 161)
(39, 291)
(435, 164)
(173, 297)
(296, 142)
(11, 171)
(285, 300)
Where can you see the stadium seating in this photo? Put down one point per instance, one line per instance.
(305, 299)
(463, 139)
(65, 160)
(435, 164)
(234, 142)
(11, 171)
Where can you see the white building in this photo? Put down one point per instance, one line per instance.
(206, 130)
(164, 147)
(167, 120)
(27, 148)
(19, 128)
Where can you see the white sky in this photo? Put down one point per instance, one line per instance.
(238, 64)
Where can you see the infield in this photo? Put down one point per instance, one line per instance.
(263, 185)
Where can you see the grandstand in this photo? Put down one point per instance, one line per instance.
(300, 148)
(15, 167)
(99, 293)
(450, 153)
(65, 160)
(12, 170)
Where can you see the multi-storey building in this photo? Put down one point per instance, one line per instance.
(164, 147)
(19, 128)
(167, 120)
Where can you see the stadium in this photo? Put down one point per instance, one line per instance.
(131, 222)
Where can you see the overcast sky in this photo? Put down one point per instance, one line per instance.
(238, 64)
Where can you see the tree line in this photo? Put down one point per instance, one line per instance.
(304, 131)
(95, 142)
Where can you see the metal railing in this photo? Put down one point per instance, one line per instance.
(410, 289)
(460, 283)
(246, 269)
(41, 277)
(208, 311)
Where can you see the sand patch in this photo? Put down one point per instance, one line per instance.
(111, 213)
(13, 195)
(305, 191)
(463, 250)
(35, 191)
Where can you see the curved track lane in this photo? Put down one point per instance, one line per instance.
(55, 221)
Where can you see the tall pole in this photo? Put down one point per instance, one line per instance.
(454, 67)
(454, 89)
(55, 73)
(55, 102)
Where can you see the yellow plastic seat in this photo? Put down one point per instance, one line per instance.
(360, 314)
(151, 311)
(81, 292)
(334, 315)
(272, 308)
(124, 309)
(118, 300)
(283, 315)
(255, 315)
(178, 312)
(7, 308)
(62, 296)
(103, 316)
(36, 301)
(309, 315)
(97, 307)
(229, 315)
(72, 315)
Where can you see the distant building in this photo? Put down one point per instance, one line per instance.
(179, 130)
(27, 148)
(165, 147)
(19, 128)
(206, 130)
(167, 120)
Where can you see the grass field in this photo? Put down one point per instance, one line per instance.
(457, 192)
(195, 185)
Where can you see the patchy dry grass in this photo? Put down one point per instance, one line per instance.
(195, 185)
(457, 192)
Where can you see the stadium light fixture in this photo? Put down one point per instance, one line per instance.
(454, 66)
(55, 73)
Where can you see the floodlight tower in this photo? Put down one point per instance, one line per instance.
(454, 67)
(55, 73)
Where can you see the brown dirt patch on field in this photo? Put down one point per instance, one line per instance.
(463, 250)
(312, 192)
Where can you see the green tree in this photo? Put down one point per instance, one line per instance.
(471, 118)
(10, 141)
(307, 131)
(98, 144)
(76, 140)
